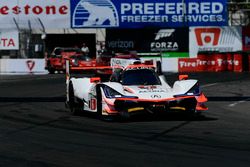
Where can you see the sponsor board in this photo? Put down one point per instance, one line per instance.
(215, 62)
(9, 40)
(169, 41)
(111, 13)
(22, 66)
(222, 39)
(148, 13)
(34, 14)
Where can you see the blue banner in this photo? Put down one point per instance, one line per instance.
(147, 13)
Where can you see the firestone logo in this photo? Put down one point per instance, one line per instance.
(207, 36)
(33, 10)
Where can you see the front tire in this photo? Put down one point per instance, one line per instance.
(99, 102)
(99, 107)
(158, 68)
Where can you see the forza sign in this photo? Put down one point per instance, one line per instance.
(159, 44)
(157, 40)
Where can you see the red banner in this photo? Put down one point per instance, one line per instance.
(212, 63)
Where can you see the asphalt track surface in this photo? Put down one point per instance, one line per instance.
(37, 131)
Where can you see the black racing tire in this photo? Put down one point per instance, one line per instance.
(73, 105)
(51, 70)
(99, 102)
(191, 107)
(158, 68)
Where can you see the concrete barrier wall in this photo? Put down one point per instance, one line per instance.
(28, 66)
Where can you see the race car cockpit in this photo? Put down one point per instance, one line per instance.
(136, 77)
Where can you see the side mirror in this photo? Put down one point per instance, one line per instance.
(183, 77)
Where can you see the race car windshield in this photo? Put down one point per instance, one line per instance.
(140, 77)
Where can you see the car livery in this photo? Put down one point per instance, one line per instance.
(132, 89)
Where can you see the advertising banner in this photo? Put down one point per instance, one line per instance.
(22, 66)
(111, 13)
(212, 63)
(246, 38)
(170, 42)
(148, 13)
(34, 14)
(222, 39)
(9, 40)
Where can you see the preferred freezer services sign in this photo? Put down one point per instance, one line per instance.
(148, 13)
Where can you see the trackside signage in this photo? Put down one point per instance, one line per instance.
(213, 62)
(9, 40)
(143, 13)
(222, 39)
(22, 66)
(35, 13)
(171, 41)
(111, 13)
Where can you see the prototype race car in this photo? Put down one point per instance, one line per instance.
(56, 60)
(133, 88)
(82, 60)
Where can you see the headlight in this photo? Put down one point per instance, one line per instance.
(111, 93)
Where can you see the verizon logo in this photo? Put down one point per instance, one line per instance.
(163, 33)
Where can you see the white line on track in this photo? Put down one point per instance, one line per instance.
(238, 102)
(26, 78)
(208, 85)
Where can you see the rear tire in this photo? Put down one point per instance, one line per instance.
(51, 70)
(73, 106)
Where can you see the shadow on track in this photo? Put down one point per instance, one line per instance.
(33, 99)
(63, 98)
(152, 117)
(229, 98)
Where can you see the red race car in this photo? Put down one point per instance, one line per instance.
(56, 60)
(82, 60)
(104, 59)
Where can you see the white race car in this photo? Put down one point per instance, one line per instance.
(133, 88)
